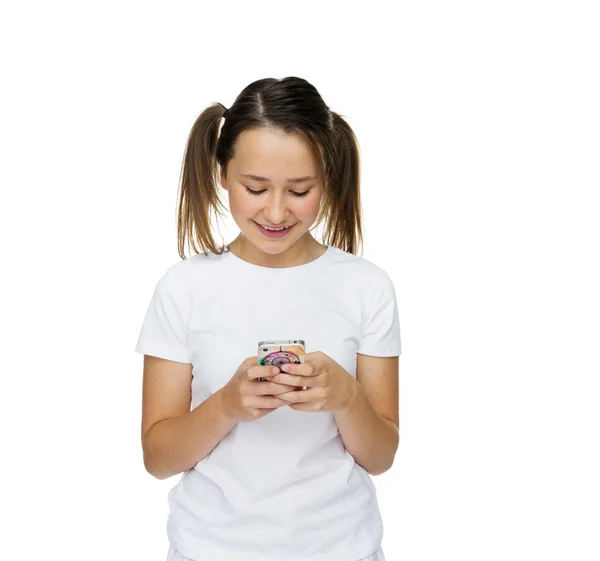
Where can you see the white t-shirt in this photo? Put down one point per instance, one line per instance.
(283, 486)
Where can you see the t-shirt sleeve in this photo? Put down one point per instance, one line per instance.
(164, 329)
(381, 324)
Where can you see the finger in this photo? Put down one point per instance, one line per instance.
(278, 389)
(271, 388)
(290, 380)
(311, 357)
(296, 396)
(261, 371)
(272, 401)
(299, 369)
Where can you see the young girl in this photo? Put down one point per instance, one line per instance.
(276, 463)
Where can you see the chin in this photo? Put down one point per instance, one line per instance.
(273, 246)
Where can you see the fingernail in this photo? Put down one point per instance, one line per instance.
(275, 370)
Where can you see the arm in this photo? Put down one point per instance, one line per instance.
(370, 438)
(177, 444)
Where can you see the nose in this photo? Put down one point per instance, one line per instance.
(276, 210)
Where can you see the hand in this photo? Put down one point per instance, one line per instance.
(247, 399)
(329, 387)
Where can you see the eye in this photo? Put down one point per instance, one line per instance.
(254, 192)
(261, 192)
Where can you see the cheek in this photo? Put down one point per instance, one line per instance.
(310, 208)
(240, 203)
(311, 212)
(309, 205)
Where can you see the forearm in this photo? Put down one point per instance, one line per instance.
(371, 439)
(175, 445)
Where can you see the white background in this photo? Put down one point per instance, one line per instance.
(479, 128)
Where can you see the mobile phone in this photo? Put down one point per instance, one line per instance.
(280, 352)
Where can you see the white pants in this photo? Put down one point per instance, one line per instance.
(174, 555)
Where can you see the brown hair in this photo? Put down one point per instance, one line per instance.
(291, 105)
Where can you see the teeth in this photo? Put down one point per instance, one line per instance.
(273, 230)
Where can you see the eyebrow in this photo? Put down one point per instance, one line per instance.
(267, 180)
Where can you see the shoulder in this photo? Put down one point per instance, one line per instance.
(194, 267)
(357, 268)
(184, 277)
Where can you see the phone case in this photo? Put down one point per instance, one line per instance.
(280, 352)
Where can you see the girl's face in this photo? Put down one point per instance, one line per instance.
(288, 195)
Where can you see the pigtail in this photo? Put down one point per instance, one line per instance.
(342, 203)
(198, 195)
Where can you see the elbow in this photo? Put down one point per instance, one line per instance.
(155, 473)
(384, 468)
(150, 468)
(154, 469)
(381, 470)
(149, 463)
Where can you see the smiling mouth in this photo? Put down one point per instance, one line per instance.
(274, 234)
(271, 229)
